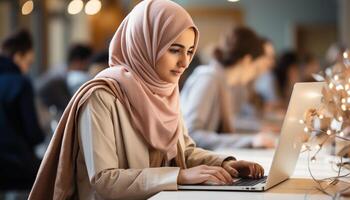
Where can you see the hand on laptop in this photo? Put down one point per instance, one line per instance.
(245, 169)
(204, 174)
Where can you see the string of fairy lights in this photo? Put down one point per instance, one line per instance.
(331, 121)
(91, 7)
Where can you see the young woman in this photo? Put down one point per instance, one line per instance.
(215, 94)
(122, 135)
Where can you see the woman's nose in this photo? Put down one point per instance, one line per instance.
(184, 61)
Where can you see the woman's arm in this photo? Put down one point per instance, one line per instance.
(98, 143)
(32, 131)
(195, 156)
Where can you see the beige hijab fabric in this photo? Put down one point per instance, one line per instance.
(142, 38)
(153, 105)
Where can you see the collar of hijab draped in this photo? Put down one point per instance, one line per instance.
(141, 39)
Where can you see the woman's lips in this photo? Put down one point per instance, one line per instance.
(176, 72)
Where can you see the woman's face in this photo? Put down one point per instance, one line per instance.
(24, 61)
(176, 59)
(267, 60)
(250, 70)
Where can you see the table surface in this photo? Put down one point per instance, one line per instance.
(299, 186)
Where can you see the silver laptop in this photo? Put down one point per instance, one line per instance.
(304, 96)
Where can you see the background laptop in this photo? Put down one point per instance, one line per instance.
(304, 97)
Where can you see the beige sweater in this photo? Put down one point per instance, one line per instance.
(114, 161)
(96, 154)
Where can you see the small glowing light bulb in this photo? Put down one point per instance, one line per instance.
(306, 129)
(336, 77)
(345, 55)
(340, 118)
(343, 107)
(321, 116)
(331, 85)
(341, 134)
(329, 132)
(301, 121)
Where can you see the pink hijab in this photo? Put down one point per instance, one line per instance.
(141, 39)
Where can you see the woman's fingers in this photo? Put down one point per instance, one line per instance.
(211, 180)
(256, 171)
(261, 169)
(226, 175)
(220, 173)
(251, 170)
(232, 171)
(217, 174)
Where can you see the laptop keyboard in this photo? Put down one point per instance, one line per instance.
(249, 182)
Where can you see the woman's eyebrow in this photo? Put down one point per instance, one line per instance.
(180, 45)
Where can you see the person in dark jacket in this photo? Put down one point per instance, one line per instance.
(19, 127)
(56, 89)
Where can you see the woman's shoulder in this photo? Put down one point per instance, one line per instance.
(208, 70)
(102, 96)
(206, 74)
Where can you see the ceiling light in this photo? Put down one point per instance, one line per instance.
(75, 7)
(92, 7)
(27, 7)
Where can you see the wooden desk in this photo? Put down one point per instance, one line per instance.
(299, 186)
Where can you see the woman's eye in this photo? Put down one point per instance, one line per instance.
(174, 50)
(190, 53)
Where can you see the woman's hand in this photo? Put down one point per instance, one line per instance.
(204, 174)
(243, 169)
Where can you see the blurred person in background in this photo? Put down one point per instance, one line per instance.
(264, 85)
(98, 62)
(206, 96)
(78, 60)
(309, 65)
(287, 73)
(56, 89)
(334, 56)
(195, 62)
(19, 127)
